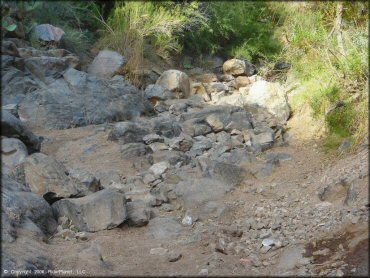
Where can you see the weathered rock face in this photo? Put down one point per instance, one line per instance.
(80, 99)
(47, 177)
(14, 128)
(175, 81)
(106, 64)
(48, 33)
(236, 67)
(13, 152)
(270, 96)
(105, 209)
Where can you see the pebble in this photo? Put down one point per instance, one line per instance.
(158, 251)
(203, 271)
(173, 256)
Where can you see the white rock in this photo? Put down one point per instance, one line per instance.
(159, 168)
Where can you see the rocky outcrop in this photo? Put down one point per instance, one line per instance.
(80, 99)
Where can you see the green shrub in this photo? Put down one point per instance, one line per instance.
(326, 75)
(234, 28)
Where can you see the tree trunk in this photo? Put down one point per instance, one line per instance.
(338, 27)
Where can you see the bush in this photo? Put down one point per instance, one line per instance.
(237, 29)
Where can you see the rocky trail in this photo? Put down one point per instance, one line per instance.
(197, 174)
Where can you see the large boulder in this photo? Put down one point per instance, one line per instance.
(81, 99)
(105, 209)
(176, 81)
(13, 152)
(127, 132)
(48, 33)
(236, 67)
(270, 96)
(106, 64)
(48, 178)
(20, 206)
(14, 128)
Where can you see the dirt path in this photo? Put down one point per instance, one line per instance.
(285, 202)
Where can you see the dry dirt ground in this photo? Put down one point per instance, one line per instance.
(292, 187)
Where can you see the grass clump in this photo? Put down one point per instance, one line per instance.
(138, 27)
(329, 77)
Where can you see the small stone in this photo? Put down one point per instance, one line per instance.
(203, 271)
(355, 219)
(158, 251)
(167, 207)
(340, 273)
(159, 168)
(323, 252)
(173, 256)
(82, 236)
(265, 263)
(265, 249)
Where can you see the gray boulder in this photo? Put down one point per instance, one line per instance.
(176, 81)
(19, 205)
(13, 152)
(127, 132)
(153, 138)
(134, 150)
(47, 177)
(155, 92)
(105, 209)
(48, 33)
(138, 213)
(106, 64)
(14, 128)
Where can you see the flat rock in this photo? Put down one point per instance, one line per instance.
(106, 64)
(105, 209)
(165, 228)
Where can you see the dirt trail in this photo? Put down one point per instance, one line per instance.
(292, 187)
